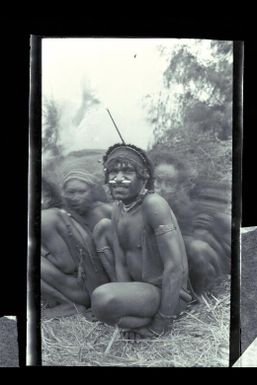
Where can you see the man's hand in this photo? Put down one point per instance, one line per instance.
(159, 325)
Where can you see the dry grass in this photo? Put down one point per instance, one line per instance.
(200, 338)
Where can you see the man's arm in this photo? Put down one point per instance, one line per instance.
(104, 246)
(121, 269)
(171, 247)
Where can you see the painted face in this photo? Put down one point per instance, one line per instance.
(124, 182)
(77, 195)
(166, 179)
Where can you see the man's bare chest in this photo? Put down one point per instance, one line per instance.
(130, 227)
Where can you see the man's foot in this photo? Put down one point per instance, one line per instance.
(89, 315)
(140, 333)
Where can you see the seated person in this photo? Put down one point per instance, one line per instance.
(70, 266)
(203, 217)
(149, 254)
(209, 247)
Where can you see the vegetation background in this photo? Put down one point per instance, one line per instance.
(190, 116)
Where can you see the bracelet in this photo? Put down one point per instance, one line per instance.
(102, 250)
(164, 316)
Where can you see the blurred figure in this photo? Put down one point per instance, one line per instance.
(203, 212)
(70, 266)
(173, 183)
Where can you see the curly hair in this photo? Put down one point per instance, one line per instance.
(166, 156)
(147, 164)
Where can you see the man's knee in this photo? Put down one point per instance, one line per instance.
(197, 253)
(104, 304)
(203, 259)
(102, 228)
(204, 265)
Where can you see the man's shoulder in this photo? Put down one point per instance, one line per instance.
(154, 200)
(155, 205)
(51, 216)
(51, 212)
(105, 207)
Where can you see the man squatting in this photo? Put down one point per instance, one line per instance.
(144, 242)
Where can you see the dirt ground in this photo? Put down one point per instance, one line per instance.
(8, 343)
(248, 289)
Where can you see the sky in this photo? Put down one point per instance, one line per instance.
(121, 72)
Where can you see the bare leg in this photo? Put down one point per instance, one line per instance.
(63, 306)
(54, 234)
(52, 296)
(126, 304)
(64, 310)
(68, 286)
(203, 265)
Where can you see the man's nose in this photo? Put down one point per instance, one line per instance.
(75, 197)
(119, 177)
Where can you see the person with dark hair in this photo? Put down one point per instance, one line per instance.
(173, 181)
(202, 213)
(151, 267)
(70, 267)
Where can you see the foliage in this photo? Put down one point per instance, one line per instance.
(59, 116)
(192, 116)
(89, 160)
(51, 119)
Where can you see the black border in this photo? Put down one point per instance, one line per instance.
(34, 209)
(238, 60)
(15, 78)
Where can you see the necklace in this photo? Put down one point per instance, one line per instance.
(137, 202)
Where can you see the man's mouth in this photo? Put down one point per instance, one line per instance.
(78, 205)
(120, 188)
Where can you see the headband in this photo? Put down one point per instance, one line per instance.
(126, 152)
(79, 175)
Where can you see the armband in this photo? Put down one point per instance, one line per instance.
(163, 229)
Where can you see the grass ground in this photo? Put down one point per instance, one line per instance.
(200, 338)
